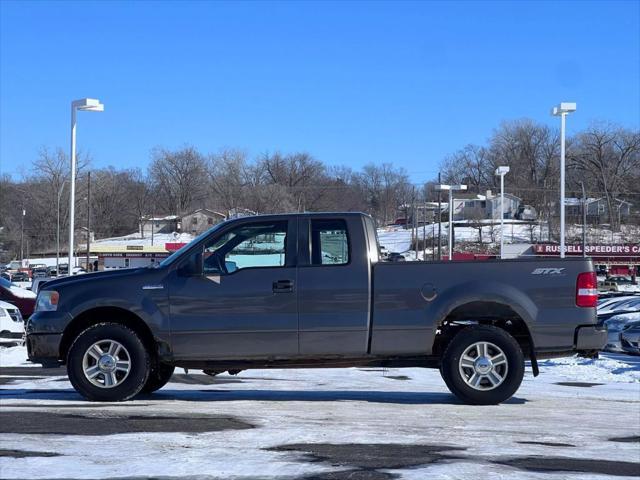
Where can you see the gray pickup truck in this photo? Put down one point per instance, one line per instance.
(310, 290)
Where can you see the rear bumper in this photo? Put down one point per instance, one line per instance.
(44, 348)
(590, 337)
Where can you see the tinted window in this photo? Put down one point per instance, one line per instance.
(260, 244)
(329, 242)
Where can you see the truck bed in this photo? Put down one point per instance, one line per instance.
(411, 300)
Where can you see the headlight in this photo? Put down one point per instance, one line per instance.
(47, 301)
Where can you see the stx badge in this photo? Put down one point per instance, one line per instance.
(547, 271)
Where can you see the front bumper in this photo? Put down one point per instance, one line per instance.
(44, 348)
(590, 337)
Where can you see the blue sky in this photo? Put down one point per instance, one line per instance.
(350, 83)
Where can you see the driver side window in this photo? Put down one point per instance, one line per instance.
(260, 244)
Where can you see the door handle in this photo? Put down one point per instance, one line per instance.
(282, 286)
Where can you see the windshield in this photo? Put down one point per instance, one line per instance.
(171, 258)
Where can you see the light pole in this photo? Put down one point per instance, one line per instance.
(86, 105)
(502, 171)
(58, 230)
(451, 189)
(561, 111)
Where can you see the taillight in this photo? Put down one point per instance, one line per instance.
(587, 290)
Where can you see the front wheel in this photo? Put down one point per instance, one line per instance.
(107, 362)
(483, 365)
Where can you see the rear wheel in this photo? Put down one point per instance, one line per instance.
(483, 365)
(158, 377)
(108, 363)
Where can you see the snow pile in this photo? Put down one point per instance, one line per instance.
(609, 368)
(14, 357)
(395, 239)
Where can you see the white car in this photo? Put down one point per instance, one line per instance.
(11, 322)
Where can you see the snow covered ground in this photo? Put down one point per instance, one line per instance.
(558, 425)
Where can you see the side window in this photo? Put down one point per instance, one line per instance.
(329, 242)
(260, 244)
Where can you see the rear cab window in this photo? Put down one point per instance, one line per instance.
(329, 242)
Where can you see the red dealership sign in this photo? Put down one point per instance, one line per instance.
(631, 250)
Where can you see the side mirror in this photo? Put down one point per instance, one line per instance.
(231, 266)
(192, 267)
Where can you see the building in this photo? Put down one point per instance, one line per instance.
(597, 209)
(152, 225)
(201, 220)
(471, 206)
(112, 257)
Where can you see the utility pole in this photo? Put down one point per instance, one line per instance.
(58, 230)
(584, 221)
(88, 220)
(24, 212)
(433, 236)
(424, 233)
(439, 219)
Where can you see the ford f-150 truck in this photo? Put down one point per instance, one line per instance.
(309, 290)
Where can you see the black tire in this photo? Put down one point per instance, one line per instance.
(139, 363)
(158, 377)
(457, 377)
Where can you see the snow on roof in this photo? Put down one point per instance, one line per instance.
(206, 210)
(136, 239)
(166, 218)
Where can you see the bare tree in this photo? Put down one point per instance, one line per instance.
(608, 156)
(178, 178)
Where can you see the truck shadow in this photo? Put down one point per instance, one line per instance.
(372, 396)
(213, 395)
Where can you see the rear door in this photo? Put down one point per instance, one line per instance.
(333, 286)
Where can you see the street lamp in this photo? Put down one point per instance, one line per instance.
(451, 189)
(58, 230)
(502, 171)
(85, 105)
(561, 111)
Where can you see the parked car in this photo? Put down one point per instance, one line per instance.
(260, 292)
(52, 272)
(25, 300)
(630, 338)
(78, 271)
(619, 283)
(20, 277)
(618, 306)
(13, 311)
(39, 272)
(38, 283)
(11, 324)
(396, 257)
(615, 325)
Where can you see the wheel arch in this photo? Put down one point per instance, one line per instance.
(483, 313)
(111, 314)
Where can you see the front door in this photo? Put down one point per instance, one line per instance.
(244, 304)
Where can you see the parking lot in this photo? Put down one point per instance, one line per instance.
(579, 419)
